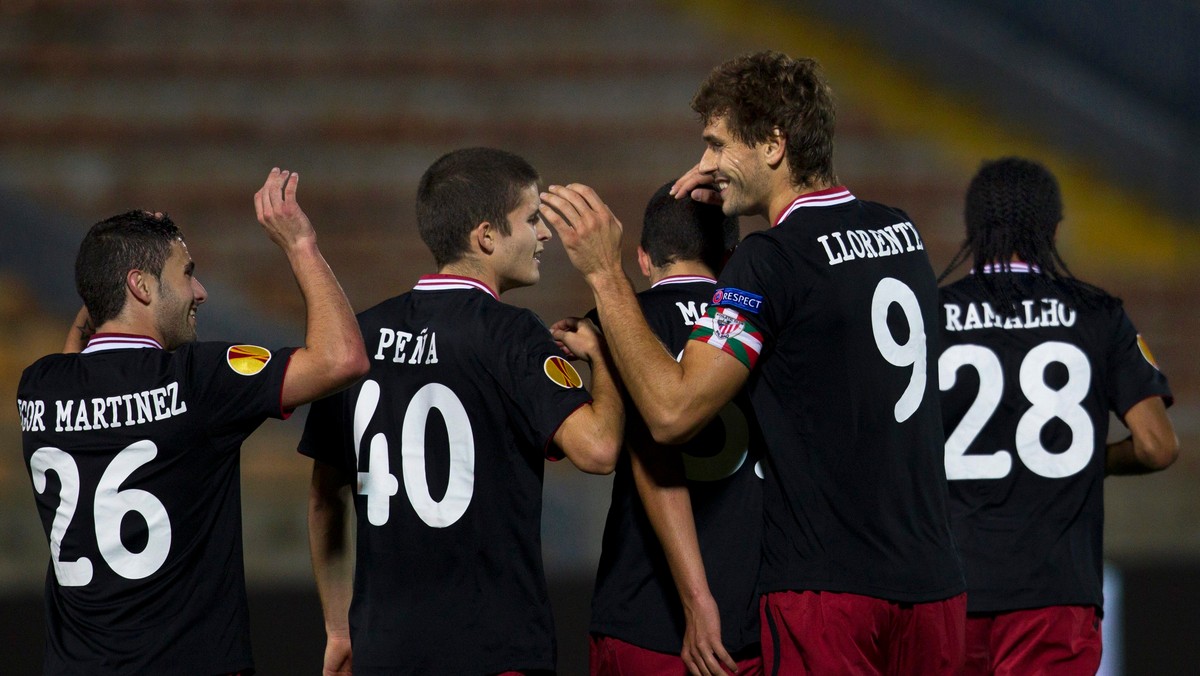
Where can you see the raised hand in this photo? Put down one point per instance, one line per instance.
(279, 212)
(589, 231)
(698, 185)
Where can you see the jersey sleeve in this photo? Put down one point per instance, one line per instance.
(236, 383)
(324, 436)
(1134, 374)
(542, 387)
(749, 299)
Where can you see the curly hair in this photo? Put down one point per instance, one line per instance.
(759, 93)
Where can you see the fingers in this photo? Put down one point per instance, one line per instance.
(719, 657)
(688, 183)
(707, 196)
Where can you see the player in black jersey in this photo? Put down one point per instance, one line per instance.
(1033, 362)
(133, 446)
(703, 500)
(828, 320)
(442, 446)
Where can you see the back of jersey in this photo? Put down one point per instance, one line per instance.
(844, 299)
(1026, 401)
(133, 452)
(447, 437)
(635, 598)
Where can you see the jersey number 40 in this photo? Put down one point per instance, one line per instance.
(378, 484)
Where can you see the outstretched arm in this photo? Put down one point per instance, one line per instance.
(591, 436)
(333, 562)
(659, 475)
(1152, 446)
(676, 399)
(333, 356)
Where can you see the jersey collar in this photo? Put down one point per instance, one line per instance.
(683, 279)
(838, 194)
(452, 283)
(1015, 266)
(100, 342)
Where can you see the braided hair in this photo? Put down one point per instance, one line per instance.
(1013, 209)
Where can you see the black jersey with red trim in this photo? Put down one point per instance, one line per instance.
(1026, 397)
(635, 598)
(834, 310)
(133, 452)
(447, 436)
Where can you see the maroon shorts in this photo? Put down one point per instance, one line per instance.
(832, 633)
(613, 657)
(1054, 640)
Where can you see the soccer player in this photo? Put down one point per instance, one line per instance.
(133, 446)
(703, 500)
(443, 445)
(827, 319)
(1034, 360)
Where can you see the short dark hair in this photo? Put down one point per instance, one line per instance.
(134, 240)
(759, 93)
(464, 188)
(685, 230)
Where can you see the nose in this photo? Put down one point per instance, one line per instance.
(708, 162)
(199, 293)
(543, 231)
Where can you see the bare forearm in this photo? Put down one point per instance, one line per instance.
(79, 333)
(333, 563)
(652, 377)
(659, 476)
(1152, 446)
(333, 342)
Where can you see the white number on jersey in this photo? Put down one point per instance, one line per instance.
(379, 484)
(1047, 404)
(911, 353)
(732, 455)
(110, 506)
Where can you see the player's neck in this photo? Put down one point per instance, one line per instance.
(786, 193)
(132, 327)
(472, 269)
(679, 269)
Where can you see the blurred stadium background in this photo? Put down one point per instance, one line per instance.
(183, 106)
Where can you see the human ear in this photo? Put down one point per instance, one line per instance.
(138, 284)
(484, 236)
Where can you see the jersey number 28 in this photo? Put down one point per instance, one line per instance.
(1047, 403)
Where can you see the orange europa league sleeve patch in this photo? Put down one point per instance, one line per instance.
(562, 373)
(247, 360)
(1146, 354)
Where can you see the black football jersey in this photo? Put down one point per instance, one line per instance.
(447, 436)
(133, 452)
(635, 598)
(834, 310)
(1026, 396)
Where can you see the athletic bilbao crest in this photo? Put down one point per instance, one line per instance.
(728, 326)
(247, 360)
(562, 373)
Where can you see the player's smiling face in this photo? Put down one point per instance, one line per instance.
(518, 255)
(180, 294)
(737, 170)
